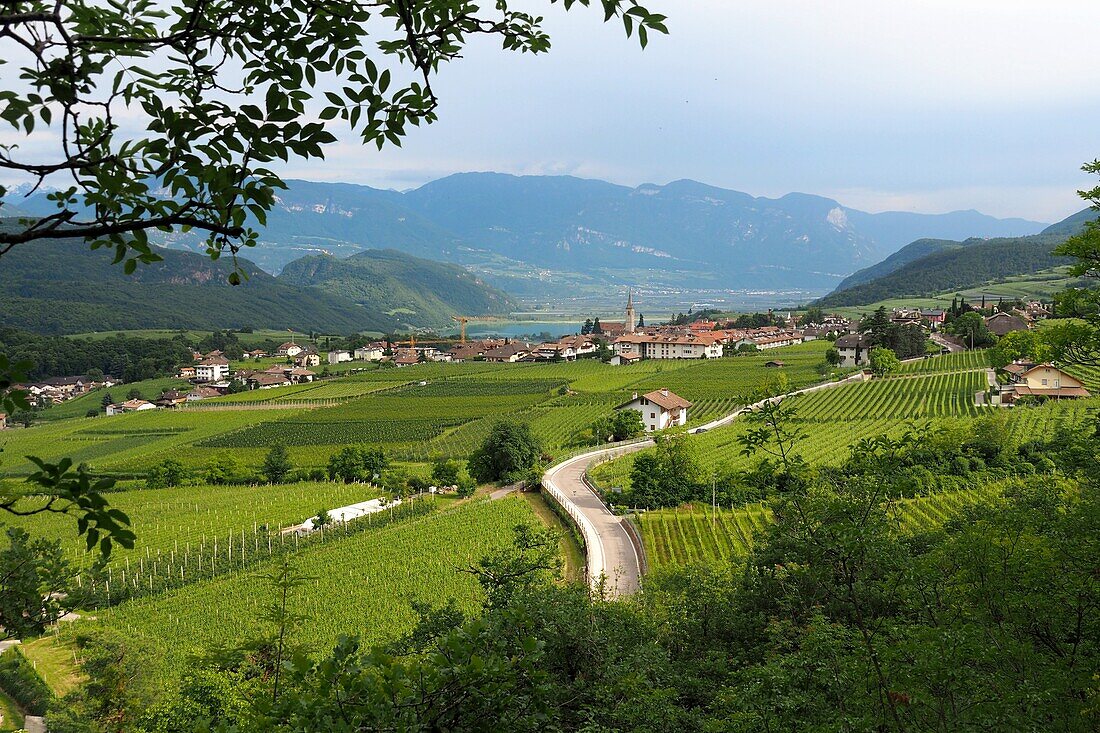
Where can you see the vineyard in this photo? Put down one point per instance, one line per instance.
(695, 535)
(938, 395)
(955, 362)
(363, 584)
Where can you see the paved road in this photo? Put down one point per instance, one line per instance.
(951, 346)
(611, 554)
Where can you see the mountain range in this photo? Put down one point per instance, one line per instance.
(538, 235)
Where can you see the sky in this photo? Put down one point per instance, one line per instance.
(922, 106)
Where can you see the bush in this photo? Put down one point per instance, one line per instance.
(508, 453)
(19, 680)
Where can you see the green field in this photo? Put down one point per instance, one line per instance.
(416, 413)
(362, 584)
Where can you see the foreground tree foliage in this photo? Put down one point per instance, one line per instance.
(837, 621)
(165, 115)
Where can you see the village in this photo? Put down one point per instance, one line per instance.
(696, 336)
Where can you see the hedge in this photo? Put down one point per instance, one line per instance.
(21, 682)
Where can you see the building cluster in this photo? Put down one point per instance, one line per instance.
(56, 390)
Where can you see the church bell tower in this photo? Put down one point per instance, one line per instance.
(631, 317)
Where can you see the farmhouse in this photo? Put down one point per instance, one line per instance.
(186, 372)
(370, 352)
(508, 353)
(288, 349)
(202, 393)
(775, 363)
(267, 380)
(1000, 324)
(255, 354)
(213, 369)
(170, 399)
(626, 357)
(340, 356)
(854, 350)
(552, 351)
(660, 409)
(1044, 381)
(130, 406)
(307, 358)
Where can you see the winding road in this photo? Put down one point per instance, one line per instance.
(612, 559)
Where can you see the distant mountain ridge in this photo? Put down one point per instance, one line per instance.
(929, 266)
(62, 286)
(684, 234)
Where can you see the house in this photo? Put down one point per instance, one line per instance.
(300, 375)
(307, 359)
(854, 349)
(626, 357)
(552, 351)
(130, 406)
(255, 354)
(508, 353)
(370, 352)
(1044, 381)
(3, 421)
(170, 399)
(406, 358)
(660, 409)
(670, 345)
(288, 349)
(775, 363)
(186, 372)
(340, 356)
(1000, 324)
(933, 316)
(202, 393)
(266, 380)
(213, 369)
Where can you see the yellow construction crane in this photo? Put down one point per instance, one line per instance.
(463, 320)
(411, 343)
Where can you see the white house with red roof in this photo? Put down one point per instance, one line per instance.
(660, 409)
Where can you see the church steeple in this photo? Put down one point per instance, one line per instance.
(631, 318)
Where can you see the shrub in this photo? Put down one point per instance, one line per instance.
(22, 683)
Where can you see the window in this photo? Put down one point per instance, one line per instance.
(652, 415)
(1044, 382)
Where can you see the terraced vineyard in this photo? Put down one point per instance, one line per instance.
(363, 584)
(693, 535)
(959, 361)
(938, 395)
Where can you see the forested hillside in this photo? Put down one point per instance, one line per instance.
(968, 265)
(64, 287)
(409, 288)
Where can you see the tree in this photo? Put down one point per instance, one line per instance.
(134, 394)
(1016, 345)
(971, 328)
(626, 424)
(507, 454)
(245, 77)
(446, 472)
(354, 463)
(1080, 342)
(811, 316)
(34, 582)
(587, 327)
(883, 361)
(222, 470)
(276, 466)
(641, 321)
(832, 356)
(107, 400)
(167, 473)
(596, 328)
